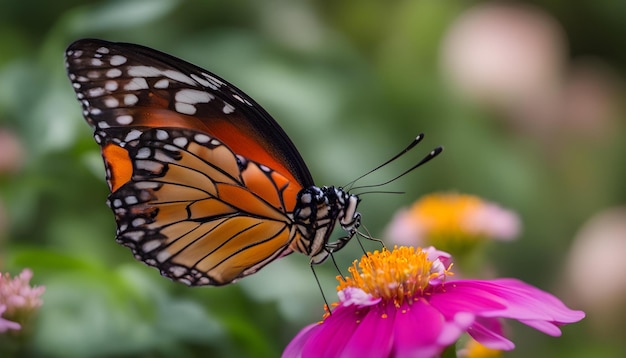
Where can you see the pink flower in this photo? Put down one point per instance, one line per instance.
(5, 324)
(502, 53)
(11, 152)
(601, 241)
(18, 299)
(400, 304)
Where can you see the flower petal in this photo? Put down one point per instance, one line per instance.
(5, 324)
(295, 347)
(356, 296)
(417, 331)
(489, 333)
(329, 337)
(452, 330)
(523, 302)
(458, 296)
(548, 328)
(529, 303)
(373, 336)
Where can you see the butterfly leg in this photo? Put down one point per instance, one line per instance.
(339, 244)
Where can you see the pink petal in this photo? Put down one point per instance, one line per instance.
(417, 330)
(356, 296)
(465, 298)
(548, 328)
(329, 338)
(373, 336)
(5, 324)
(295, 347)
(520, 301)
(452, 330)
(489, 333)
(527, 302)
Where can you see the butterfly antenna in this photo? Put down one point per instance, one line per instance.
(433, 153)
(413, 143)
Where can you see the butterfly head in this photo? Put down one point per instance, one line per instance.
(317, 211)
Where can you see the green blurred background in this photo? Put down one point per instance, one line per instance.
(526, 98)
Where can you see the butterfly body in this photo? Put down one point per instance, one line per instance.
(205, 185)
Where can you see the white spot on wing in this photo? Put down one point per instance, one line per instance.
(162, 83)
(215, 83)
(185, 108)
(242, 100)
(228, 109)
(96, 92)
(113, 73)
(179, 76)
(117, 60)
(202, 138)
(133, 235)
(124, 120)
(180, 141)
(111, 102)
(143, 153)
(130, 99)
(150, 245)
(204, 281)
(178, 271)
(201, 80)
(132, 135)
(138, 222)
(162, 157)
(136, 83)
(93, 74)
(162, 135)
(149, 165)
(171, 148)
(193, 96)
(143, 71)
(111, 86)
(163, 256)
(146, 184)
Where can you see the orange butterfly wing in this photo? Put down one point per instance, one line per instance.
(202, 179)
(189, 209)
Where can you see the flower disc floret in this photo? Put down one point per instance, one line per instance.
(399, 275)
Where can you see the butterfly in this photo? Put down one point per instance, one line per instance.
(205, 185)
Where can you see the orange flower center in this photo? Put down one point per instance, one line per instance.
(398, 276)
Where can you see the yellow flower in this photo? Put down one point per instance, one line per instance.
(452, 222)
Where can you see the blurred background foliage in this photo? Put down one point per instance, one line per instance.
(526, 97)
